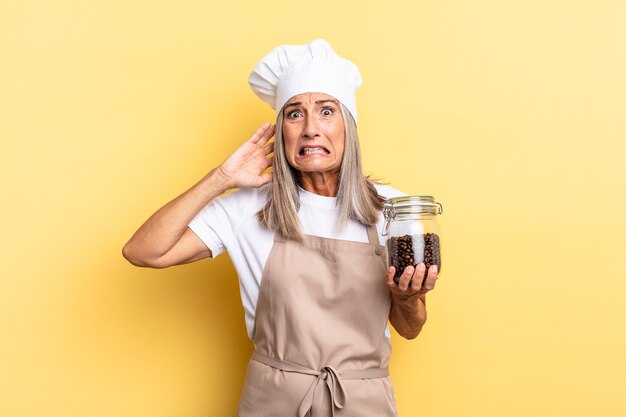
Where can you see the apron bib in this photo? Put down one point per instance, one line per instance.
(320, 348)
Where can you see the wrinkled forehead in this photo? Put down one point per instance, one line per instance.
(311, 98)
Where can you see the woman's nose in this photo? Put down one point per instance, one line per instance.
(311, 127)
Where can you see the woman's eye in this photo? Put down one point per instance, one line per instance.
(327, 111)
(292, 113)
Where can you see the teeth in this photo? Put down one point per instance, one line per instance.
(313, 151)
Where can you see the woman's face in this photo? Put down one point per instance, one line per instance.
(313, 131)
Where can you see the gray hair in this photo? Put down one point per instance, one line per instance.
(356, 196)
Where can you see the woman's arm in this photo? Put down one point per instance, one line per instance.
(408, 302)
(165, 239)
(408, 316)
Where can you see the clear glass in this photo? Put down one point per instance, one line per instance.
(413, 238)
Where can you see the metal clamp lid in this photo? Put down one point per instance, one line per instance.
(410, 204)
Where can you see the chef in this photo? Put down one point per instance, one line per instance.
(305, 239)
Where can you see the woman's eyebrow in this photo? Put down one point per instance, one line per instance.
(297, 103)
(327, 101)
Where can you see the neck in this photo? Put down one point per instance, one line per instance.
(321, 183)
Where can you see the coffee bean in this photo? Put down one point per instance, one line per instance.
(406, 250)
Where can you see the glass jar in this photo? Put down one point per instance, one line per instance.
(413, 232)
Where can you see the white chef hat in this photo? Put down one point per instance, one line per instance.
(289, 70)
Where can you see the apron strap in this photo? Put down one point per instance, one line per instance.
(372, 235)
(328, 375)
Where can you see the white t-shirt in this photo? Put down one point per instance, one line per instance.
(230, 223)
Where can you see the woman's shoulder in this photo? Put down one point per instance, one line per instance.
(244, 199)
(387, 191)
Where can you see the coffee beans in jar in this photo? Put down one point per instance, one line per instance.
(413, 233)
(411, 250)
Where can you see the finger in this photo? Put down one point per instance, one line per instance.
(391, 271)
(256, 136)
(418, 278)
(405, 278)
(267, 135)
(432, 277)
(269, 149)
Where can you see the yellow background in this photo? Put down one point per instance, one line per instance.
(511, 113)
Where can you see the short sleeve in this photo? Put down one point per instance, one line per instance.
(217, 223)
(387, 191)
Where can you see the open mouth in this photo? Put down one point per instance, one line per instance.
(319, 150)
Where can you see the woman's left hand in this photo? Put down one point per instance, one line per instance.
(413, 281)
(408, 298)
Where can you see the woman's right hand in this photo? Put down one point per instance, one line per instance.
(244, 167)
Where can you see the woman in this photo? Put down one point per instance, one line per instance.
(305, 241)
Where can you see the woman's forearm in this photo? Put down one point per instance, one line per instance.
(408, 315)
(166, 226)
